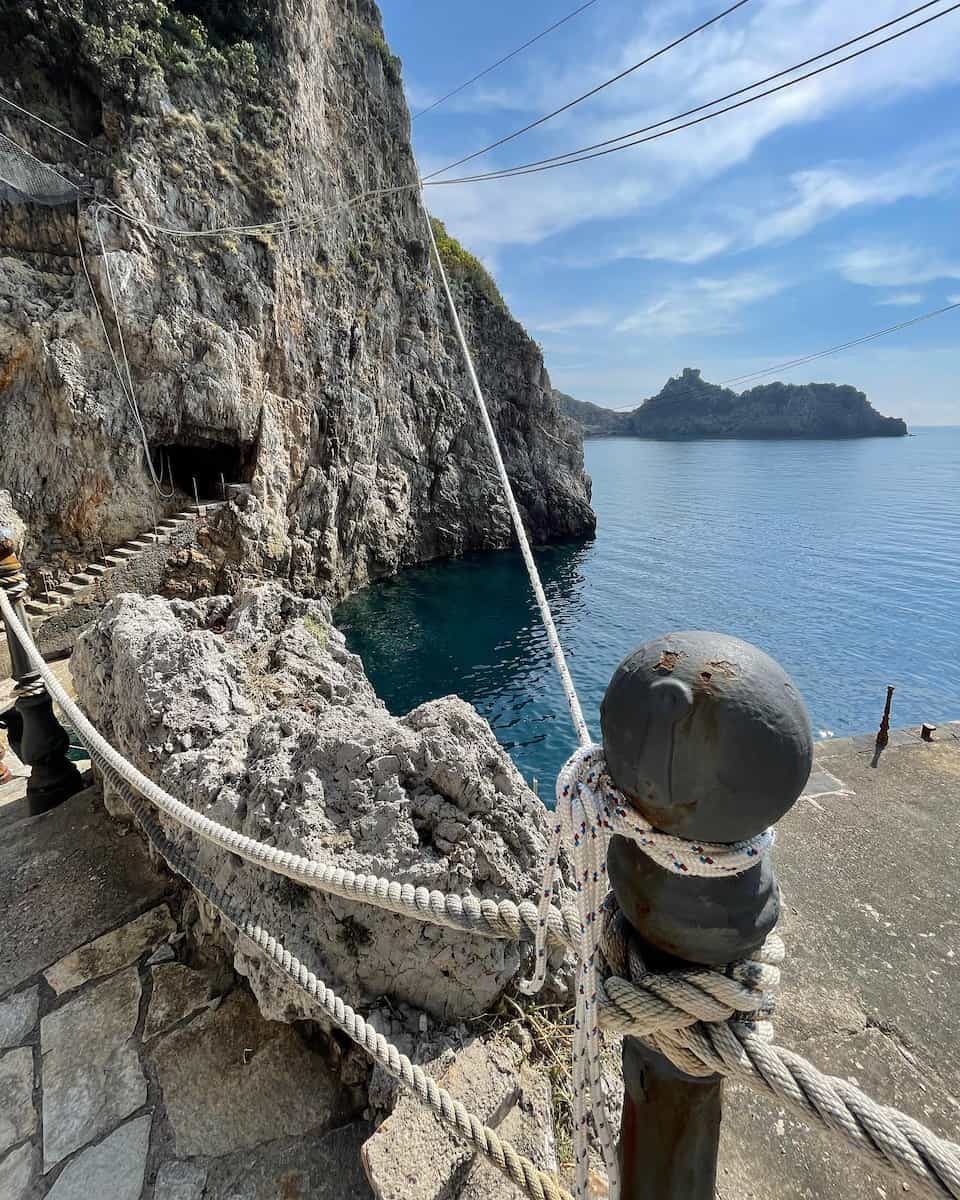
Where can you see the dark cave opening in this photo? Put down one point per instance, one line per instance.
(208, 464)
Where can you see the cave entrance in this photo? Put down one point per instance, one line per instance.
(210, 464)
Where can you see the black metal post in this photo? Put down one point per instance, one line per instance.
(708, 737)
(36, 736)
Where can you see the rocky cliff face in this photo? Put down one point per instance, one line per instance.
(312, 359)
(689, 406)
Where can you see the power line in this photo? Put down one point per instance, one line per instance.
(582, 154)
(33, 117)
(869, 337)
(586, 95)
(500, 61)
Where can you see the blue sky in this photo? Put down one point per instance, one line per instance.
(804, 220)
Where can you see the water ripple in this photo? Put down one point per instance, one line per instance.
(841, 559)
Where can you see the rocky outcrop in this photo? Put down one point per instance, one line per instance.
(253, 712)
(10, 518)
(688, 406)
(312, 358)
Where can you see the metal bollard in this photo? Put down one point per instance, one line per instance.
(709, 738)
(36, 736)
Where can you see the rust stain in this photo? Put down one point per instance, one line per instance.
(9, 368)
(291, 1186)
(721, 667)
(668, 660)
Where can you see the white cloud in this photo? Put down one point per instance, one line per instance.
(902, 299)
(747, 46)
(895, 264)
(809, 198)
(954, 299)
(703, 306)
(580, 318)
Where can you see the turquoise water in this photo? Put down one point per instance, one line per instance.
(839, 558)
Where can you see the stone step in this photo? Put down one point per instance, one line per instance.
(82, 579)
(97, 569)
(39, 608)
(124, 551)
(120, 560)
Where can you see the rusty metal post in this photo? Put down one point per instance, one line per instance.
(36, 736)
(883, 733)
(708, 737)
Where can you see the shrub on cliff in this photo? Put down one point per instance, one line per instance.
(463, 265)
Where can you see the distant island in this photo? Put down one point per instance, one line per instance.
(689, 407)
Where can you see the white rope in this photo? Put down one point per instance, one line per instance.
(33, 117)
(516, 920)
(537, 1184)
(589, 812)
(556, 649)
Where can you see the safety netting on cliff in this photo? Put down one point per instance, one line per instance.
(25, 179)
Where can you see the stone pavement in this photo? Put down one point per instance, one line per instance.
(871, 986)
(132, 1069)
(128, 1069)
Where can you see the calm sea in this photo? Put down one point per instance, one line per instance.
(839, 558)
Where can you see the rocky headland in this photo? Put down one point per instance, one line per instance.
(689, 407)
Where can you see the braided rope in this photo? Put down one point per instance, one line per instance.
(889, 1137)
(513, 920)
(589, 812)
(537, 1184)
(696, 1018)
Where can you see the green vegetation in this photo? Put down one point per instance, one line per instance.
(320, 632)
(373, 39)
(463, 265)
(120, 45)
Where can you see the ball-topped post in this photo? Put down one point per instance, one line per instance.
(708, 737)
(36, 736)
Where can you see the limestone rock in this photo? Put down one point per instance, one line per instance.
(412, 1156)
(529, 1128)
(18, 1118)
(113, 950)
(114, 1167)
(253, 712)
(232, 1081)
(315, 363)
(16, 1173)
(91, 1073)
(178, 992)
(18, 1015)
(11, 519)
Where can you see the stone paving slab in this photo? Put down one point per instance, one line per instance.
(18, 1117)
(412, 1156)
(113, 1168)
(18, 1015)
(91, 1072)
(65, 878)
(232, 1081)
(17, 1173)
(111, 951)
(178, 992)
